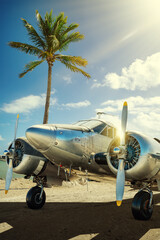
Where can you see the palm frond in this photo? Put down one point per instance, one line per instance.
(24, 47)
(41, 24)
(53, 43)
(73, 68)
(60, 28)
(46, 28)
(58, 20)
(34, 36)
(54, 28)
(71, 27)
(49, 17)
(73, 37)
(29, 67)
(75, 60)
(48, 21)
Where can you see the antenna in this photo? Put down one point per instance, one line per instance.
(99, 114)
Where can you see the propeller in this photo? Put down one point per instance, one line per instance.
(120, 182)
(11, 154)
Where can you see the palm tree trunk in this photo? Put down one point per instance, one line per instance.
(46, 112)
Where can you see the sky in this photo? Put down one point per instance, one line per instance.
(122, 46)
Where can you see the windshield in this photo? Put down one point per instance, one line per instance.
(96, 125)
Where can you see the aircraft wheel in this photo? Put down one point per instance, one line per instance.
(32, 199)
(140, 206)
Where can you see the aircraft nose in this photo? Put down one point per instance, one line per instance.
(40, 137)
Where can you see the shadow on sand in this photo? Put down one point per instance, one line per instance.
(56, 221)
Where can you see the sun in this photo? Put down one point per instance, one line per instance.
(149, 10)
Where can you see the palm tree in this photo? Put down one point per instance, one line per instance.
(54, 37)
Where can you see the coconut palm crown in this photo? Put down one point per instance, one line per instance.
(54, 37)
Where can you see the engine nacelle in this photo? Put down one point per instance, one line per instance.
(139, 164)
(27, 160)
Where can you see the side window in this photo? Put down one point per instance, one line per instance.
(99, 128)
(105, 132)
(109, 132)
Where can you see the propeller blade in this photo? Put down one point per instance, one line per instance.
(15, 133)
(9, 176)
(120, 182)
(11, 155)
(124, 122)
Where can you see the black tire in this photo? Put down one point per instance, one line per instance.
(32, 198)
(140, 206)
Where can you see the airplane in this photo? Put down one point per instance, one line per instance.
(49, 150)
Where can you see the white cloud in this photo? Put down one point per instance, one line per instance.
(97, 85)
(53, 101)
(135, 104)
(85, 103)
(1, 138)
(67, 79)
(150, 122)
(143, 113)
(32, 102)
(53, 91)
(141, 74)
(26, 104)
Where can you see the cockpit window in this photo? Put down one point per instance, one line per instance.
(95, 125)
(98, 127)
(109, 132)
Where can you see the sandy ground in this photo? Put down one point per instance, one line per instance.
(74, 211)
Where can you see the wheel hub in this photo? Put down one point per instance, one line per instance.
(38, 200)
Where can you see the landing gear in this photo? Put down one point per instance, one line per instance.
(36, 198)
(142, 205)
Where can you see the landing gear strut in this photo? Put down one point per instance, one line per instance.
(36, 196)
(142, 205)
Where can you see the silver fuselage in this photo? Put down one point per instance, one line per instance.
(78, 146)
(68, 145)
